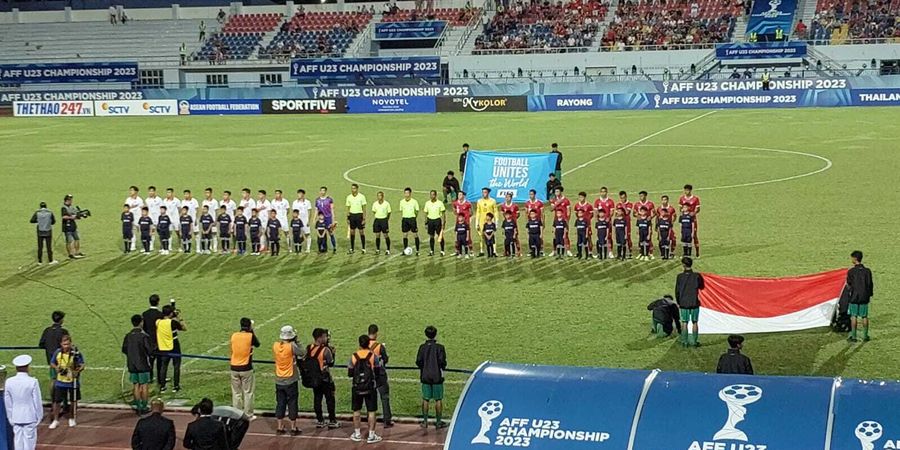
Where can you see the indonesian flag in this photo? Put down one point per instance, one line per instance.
(761, 305)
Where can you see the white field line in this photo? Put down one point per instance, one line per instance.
(649, 136)
(259, 373)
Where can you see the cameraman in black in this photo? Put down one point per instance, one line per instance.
(70, 214)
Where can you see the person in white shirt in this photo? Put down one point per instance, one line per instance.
(153, 202)
(281, 206)
(189, 202)
(135, 203)
(213, 206)
(302, 205)
(173, 205)
(246, 202)
(24, 409)
(263, 206)
(228, 203)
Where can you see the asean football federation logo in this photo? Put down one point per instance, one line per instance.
(773, 12)
(488, 411)
(868, 432)
(736, 398)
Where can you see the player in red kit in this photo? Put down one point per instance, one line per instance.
(463, 207)
(667, 209)
(509, 207)
(693, 205)
(627, 211)
(585, 208)
(562, 204)
(536, 206)
(604, 202)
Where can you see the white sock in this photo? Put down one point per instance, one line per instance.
(308, 242)
(371, 433)
(357, 431)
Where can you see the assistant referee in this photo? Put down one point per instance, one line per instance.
(356, 217)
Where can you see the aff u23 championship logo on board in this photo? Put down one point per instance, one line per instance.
(524, 431)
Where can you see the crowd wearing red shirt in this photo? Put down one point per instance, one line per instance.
(670, 24)
(543, 27)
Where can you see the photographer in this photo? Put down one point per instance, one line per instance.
(167, 330)
(68, 364)
(243, 383)
(44, 219)
(287, 373)
(320, 355)
(70, 214)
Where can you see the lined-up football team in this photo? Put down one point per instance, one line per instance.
(248, 225)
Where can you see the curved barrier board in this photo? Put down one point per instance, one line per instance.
(546, 407)
(866, 415)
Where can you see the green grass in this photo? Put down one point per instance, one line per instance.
(550, 312)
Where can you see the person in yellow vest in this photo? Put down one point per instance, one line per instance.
(779, 34)
(485, 205)
(753, 37)
(243, 384)
(68, 363)
(168, 345)
(384, 390)
(765, 80)
(363, 371)
(287, 374)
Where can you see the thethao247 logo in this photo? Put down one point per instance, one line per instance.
(519, 432)
(736, 398)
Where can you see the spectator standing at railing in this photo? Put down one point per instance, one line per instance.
(243, 384)
(384, 389)
(432, 361)
(202, 30)
(113, 16)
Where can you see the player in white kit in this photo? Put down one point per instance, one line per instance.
(213, 205)
(302, 205)
(173, 206)
(135, 203)
(263, 206)
(281, 207)
(153, 202)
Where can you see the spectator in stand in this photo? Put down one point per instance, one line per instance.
(220, 17)
(113, 15)
(202, 30)
(431, 361)
(800, 30)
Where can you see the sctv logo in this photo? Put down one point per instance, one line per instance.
(112, 109)
(156, 109)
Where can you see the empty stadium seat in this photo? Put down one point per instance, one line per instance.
(316, 34)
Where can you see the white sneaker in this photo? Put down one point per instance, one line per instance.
(356, 437)
(53, 262)
(252, 418)
(72, 423)
(54, 424)
(387, 252)
(373, 438)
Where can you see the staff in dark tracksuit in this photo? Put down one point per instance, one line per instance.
(381, 378)
(665, 316)
(733, 361)
(687, 294)
(44, 219)
(859, 282)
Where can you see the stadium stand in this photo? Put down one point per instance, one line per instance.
(455, 17)
(671, 24)
(149, 42)
(543, 28)
(239, 37)
(316, 34)
(855, 22)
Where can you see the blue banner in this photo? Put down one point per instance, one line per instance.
(6, 98)
(752, 99)
(866, 415)
(390, 105)
(761, 50)
(503, 173)
(100, 72)
(875, 97)
(767, 16)
(426, 29)
(565, 408)
(354, 69)
(219, 107)
(587, 102)
(734, 412)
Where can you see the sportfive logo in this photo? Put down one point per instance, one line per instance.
(306, 106)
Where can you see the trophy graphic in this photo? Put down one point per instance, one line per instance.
(736, 397)
(773, 9)
(665, 87)
(868, 432)
(656, 99)
(488, 411)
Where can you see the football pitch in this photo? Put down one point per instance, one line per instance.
(784, 192)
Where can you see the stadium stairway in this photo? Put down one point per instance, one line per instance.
(152, 42)
(740, 29)
(467, 47)
(806, 11)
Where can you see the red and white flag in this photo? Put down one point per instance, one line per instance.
(760, 305)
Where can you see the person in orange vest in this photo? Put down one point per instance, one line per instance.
(287, 375)
(363, 371)
(243, 383)
(384, 390)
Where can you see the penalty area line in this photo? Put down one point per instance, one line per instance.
(649, 136)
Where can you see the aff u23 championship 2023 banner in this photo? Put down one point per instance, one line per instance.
(503, 173)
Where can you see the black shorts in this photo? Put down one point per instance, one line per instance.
(408, 224)
(63, 394)
(434, 226)
(380, 226)
(356, 221)
(370, 400)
